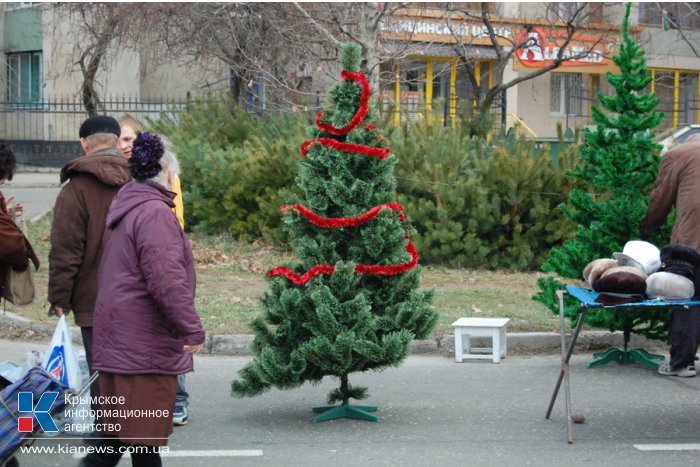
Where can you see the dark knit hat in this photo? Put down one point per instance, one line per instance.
(680, 259)
(99, 124)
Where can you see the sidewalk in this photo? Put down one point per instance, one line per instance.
(35, 178)
(546, 343)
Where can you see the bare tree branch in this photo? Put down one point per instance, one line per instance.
(318, 27)
(677, 26)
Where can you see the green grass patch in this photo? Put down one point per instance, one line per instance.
(231, 278)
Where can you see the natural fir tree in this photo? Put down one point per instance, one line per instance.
(353, 303)
(619, 163)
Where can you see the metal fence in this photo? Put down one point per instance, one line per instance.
(45, 133)
(686, 113)
(457, 109)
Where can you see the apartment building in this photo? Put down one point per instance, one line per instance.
(420, 67)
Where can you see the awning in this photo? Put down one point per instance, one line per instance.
(403, 49)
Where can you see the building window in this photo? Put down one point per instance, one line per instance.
(19, 5)
(24, 78)
(670, 15)
(562, 11)
(469, 7)
(565, 93)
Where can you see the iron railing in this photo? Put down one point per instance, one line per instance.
(58, 119)
(45, 132)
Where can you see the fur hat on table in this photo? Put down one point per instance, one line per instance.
(669, 286)
(641, 254)
(620, 285)
(596, 268)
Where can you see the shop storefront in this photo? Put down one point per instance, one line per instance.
(431, 76)
(566, 94)
(434, 83)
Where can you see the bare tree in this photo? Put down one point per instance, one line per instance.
(279, 45)
(357, 22)
(101, 30)
(573, 21)
(262, 42)
(236, 34)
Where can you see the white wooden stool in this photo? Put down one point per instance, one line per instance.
(466, 328)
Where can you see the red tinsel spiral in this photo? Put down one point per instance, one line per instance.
(361, 112)
(328, 269)
(337, 222)
(381, 153)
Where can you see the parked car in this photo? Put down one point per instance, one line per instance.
(672, 137)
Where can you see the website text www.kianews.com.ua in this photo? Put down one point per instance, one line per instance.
(85, 450)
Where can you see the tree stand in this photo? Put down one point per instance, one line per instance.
(359, 412)
(624, 356)
(345, 410)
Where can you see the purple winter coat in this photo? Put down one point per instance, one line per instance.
(145, 312)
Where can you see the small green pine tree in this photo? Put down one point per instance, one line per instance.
(353, 303)
(619, 163)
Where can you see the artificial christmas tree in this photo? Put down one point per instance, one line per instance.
(353, 303)
(619, 163)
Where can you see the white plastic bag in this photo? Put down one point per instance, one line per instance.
(60, 360)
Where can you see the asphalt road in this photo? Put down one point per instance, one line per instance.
(435, 412)
(36, 200)
(36, 190)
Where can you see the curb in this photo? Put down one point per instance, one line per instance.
(27, 169)
(32, 185)
(526, 343)
(15, 327)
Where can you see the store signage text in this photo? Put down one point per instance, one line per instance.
(540, 52)
(540, 47)
(398, 26)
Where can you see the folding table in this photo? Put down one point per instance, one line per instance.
(587, 299)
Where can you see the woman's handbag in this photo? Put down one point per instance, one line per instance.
(19, 285)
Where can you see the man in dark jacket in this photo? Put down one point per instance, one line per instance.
(678, 184)
(79, 223)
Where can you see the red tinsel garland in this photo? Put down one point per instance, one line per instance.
(381, 153)
(361, 112)
(328, 269)
(337, 222)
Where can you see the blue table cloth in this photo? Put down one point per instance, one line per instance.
(587, 298)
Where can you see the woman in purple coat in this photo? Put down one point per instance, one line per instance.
(146, 327)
